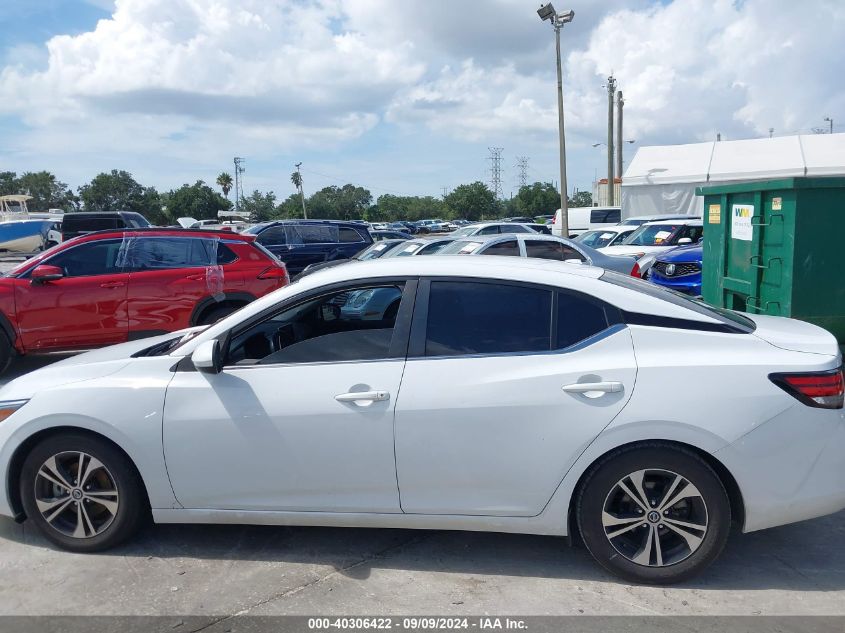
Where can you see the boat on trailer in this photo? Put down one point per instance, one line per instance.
(20, 233)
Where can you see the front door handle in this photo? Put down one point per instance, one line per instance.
(363, 398)
(112, 284)
(593, 389)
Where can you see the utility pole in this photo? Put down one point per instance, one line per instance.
(239, 170)
(620, 103)
(301, 192)
(611, 93)
(495, 159)
(445, 191)
(522, 166)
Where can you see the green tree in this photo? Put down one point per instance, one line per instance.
(260, 206)
(580, 199)
(196, 201)
(339, 203)
(472, 202)
(8, 183)
(291, 207)
(224, 181)
(119, 191)
(541, 198)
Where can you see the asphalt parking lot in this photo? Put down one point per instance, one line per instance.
(227, 570)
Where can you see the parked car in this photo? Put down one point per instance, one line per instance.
(492, 228)
(374, 251)
(300, 243)
(583, 219)
(654, 238)
(608, 236)
(540, 247)
(403, 227)
(642, 219)
(420, 247)
(389, 235)
(679, 269)
(378, 226)
(113, 286)
(575, 400)
(82, 223)
(520, 220)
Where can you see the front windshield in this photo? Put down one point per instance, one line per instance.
(461, 247)
(255, 229)
(405, 251)
(467, 230)
(652, 235)
(597, 239)
(375, 251)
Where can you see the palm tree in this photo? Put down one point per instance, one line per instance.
(224, 180)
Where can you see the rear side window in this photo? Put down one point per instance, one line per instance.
(89, 225)
(515, 228)
(509, 249)
(488, 230)
(311, 234)
(547, 249)
(162, 253)
(487, 318)
(578, 318)
(346, 234)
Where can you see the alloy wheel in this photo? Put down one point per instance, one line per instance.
(76, 494)
(655, 517)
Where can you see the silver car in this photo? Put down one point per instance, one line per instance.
(541, 247)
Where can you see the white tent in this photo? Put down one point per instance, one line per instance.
(663, 179)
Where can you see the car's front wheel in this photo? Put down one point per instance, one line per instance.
(653, 514)
(81, 492)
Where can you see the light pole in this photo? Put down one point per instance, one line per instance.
(829, 120)
(547, 12)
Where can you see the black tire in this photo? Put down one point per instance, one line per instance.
(132, 507)
(212, 316)
(599, 491)
(6, 352)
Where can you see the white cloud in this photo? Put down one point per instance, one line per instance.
(197, 81)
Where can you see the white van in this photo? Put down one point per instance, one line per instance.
(583, 219)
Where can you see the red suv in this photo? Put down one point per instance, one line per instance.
(113, 286)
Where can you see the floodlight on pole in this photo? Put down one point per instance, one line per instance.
(547, 13)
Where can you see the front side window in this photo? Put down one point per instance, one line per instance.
(274, 236)
(91, 258)
(509, 248)
(353, 324)
(487, 318)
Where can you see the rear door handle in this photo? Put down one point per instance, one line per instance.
(593, 389)
(363, 398)
(113, 284)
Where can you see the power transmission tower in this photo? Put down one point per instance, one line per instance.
(495, 159)
(239, 182)
(522, 166)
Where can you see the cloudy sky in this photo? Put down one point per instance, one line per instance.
(401, 96)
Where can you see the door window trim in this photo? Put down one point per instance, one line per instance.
(419, 323)
(398, 342)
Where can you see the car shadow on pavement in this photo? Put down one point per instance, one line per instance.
(799, 557)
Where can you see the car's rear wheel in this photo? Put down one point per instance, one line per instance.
(653, 514)
(212, 316)
(82, 493)
(6, 352)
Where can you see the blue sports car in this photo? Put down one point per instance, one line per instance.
(679, 269)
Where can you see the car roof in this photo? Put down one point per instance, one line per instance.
(353, 223)
(161, 232)
(663, 216)
(690, 222)
(617, 228)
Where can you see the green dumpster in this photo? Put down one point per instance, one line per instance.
(777, 247)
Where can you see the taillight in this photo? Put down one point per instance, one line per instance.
(275, 272)
(635, 271)
(825, 390)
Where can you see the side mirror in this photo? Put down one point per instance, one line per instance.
(44, 273)
(684, 240)
(207, 357)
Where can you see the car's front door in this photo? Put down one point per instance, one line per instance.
(85, 308)
(301, 417)
(504, 387)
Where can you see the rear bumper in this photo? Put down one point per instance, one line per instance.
(791, 468)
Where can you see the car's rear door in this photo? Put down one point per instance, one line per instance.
(169, 276)
(86, 308)
(505, 385)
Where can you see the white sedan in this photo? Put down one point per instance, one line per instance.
(502, 394)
